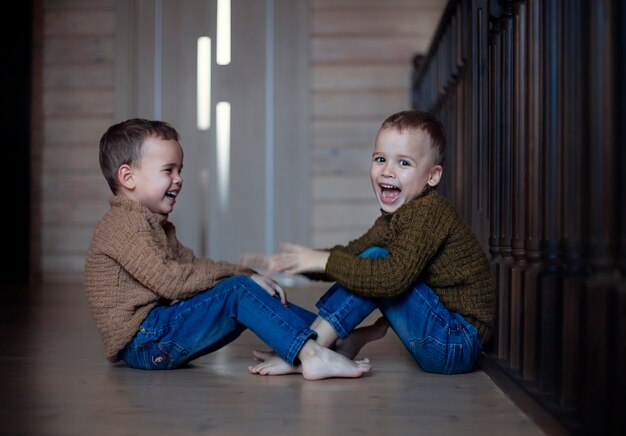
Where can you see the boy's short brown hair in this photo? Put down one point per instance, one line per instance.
(121, 144)
(427, 123)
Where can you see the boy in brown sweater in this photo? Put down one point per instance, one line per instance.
(419, 263)
(155, 304)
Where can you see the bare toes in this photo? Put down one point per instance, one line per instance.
(262, 355)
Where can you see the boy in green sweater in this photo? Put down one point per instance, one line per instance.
(419, 264)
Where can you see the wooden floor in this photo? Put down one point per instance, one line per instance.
(55, 381)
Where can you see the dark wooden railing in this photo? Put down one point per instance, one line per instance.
(532, 96)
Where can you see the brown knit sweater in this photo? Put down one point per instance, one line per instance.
(135, 262)
(427, 242)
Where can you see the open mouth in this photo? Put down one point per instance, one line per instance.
(171, 194)
(389, 193)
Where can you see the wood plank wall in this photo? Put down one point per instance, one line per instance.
(78, 104)
(361, 63)
(532, 95)
(360, 57)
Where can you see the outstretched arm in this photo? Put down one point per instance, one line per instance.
(297, 259)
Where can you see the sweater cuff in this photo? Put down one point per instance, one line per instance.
(245, 271)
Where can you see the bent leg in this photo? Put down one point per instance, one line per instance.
(175, 334)
(306, 315)
(439, 340)
(359, 337)
(281, 328)
(344, 310)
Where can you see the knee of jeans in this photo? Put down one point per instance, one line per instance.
(241, 279)
(374, 252)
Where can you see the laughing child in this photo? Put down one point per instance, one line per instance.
(158, 306)
(419, 264)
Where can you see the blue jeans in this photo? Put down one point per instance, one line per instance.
(439, 340)
(173, 335)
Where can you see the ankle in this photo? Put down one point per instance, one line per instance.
(308, 350)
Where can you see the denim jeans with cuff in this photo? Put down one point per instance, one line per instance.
(173, 335)
(441, 341)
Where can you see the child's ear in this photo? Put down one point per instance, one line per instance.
(125, 176)
(435, 176)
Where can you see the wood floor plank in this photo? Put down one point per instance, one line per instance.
(55, 381)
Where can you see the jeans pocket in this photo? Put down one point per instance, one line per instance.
(462, 351)
(159, 355)
(457, 360)
(430, 354)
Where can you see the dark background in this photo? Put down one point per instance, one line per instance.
(16, 68)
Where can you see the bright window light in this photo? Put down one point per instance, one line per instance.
(222, 55)
(222, 133)
(204, 83)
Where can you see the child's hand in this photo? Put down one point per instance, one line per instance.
(296, 259)
(271, 287)
(259, 262)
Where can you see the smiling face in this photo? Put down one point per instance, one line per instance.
(402, 166)
(156, 181)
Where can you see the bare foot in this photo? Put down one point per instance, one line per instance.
(319, 363)
(351, 346)
(272, 364)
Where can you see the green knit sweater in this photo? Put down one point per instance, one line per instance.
(427, 242)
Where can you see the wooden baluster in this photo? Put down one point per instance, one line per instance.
(534, 127)
(518, 181)
(618, 391)
(503, 270)
(495, 170)
(618, 398)
(477, 124)
(550, 283)
(620, 136)
(464, 139)
(461, 35)
(574, 190)
(465, 49)
(450, 110)
(602, 283)
(456, 162)
(602, 141)
(463, 183)
(447, 58)
(456, 38)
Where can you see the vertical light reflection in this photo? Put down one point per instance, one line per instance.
(269, 127)
(222, 133)
(222, 55)
(158, 53)
(204, 83)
